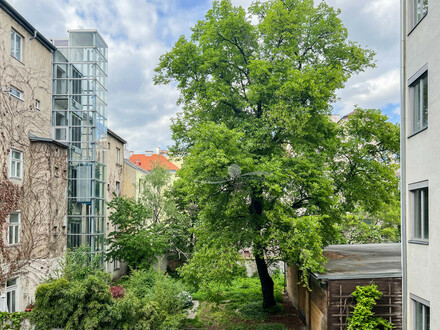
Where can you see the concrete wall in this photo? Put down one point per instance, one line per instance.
(423, 160)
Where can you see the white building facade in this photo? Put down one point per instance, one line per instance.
(420, 133)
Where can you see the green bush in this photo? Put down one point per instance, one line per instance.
(73, 304)
(363, 317)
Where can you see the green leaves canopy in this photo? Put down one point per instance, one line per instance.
(255, 92)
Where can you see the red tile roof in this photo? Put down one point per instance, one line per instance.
(148, 162)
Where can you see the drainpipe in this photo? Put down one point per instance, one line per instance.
(403, 238)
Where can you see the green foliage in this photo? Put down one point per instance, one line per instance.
(148, 227)
(81, 299)
(363, 317)
(253, 311)
(77, 304)
(162, 292)
(79, 263)
(256, 96)
(12, 321)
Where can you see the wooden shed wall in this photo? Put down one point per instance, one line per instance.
(340, 301)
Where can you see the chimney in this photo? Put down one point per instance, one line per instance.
(158, 150)
(148, 152)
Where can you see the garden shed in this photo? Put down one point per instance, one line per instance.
(329, 302)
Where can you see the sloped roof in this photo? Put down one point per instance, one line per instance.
(149, 162)
(354, 261)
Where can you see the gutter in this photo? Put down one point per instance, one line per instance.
(403, 237)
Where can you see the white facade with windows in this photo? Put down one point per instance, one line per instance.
(420, 136)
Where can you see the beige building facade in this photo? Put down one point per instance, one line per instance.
(420, 133)
(33, 167)
(115, 184)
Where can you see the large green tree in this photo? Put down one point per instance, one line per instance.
(264, 166)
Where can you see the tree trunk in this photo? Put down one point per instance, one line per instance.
(265, 280)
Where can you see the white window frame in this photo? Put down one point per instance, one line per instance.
(117, 188)
(417, 15)
(14, 228)
(37, 104)
(419, 100)
(415, 301)
(16, 161)
(116, 264)
(15, 36)
(12, 292)
(17, 93)
(419, 194)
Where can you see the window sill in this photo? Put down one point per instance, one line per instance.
(16, 178)
(13, 245)
(16, 97)
(419, 242)
(419, 131)
(414, 27)
(18, 60)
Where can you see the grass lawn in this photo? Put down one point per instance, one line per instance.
(239, 306)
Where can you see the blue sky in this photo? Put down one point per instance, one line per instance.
(139, 31)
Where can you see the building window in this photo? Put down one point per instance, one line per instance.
(420, 9)
(420, 210)
(419, 100)
(16, 45)
(14, 229)
(16, 93)
(116, 264)
(11, 295)
(420, 313)
(118, 156)
(37, 104)
(16, 163)
(117, 188)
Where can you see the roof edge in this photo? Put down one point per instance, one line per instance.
(35, 138)
(116, 136)
(11, 11)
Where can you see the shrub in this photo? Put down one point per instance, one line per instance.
(117, 291)
(363, 317)
(12, 320)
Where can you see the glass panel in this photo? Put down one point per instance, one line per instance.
(13, 217)
(18, 46)
(16, 234)
(425, 214)
(11, 235)
(425, 101)
(427, 317)
(11, 282)
(417, 214)
(13, 170)
(418, 319)
(416, 106)
(61, 134)
(12, 43)
(18, 174)
(16, 155)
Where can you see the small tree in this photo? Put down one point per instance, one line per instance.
(148, 227)
(363, 317)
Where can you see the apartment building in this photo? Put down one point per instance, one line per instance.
(33, 167)
(115, 186)
(420, 133)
